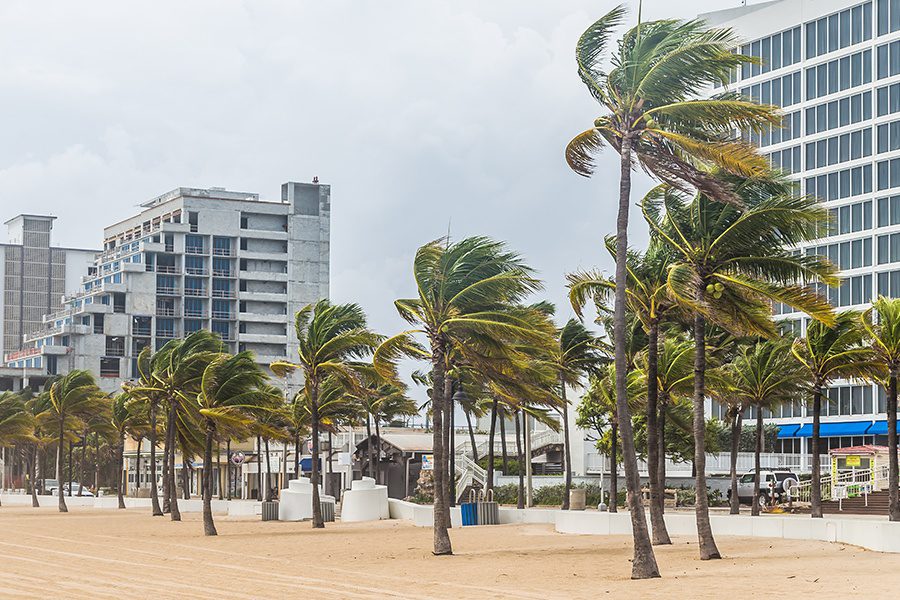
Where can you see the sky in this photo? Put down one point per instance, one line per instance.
(425, 116)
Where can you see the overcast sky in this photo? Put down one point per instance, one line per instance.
(421, 114)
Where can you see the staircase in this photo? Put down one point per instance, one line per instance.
(875, 503)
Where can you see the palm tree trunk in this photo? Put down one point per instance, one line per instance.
(370, 446)
(33, 470)
(259, 485)
(643, 565)
(228, 468)
(489, 483)
(661, 466)
(754, 510)
(815, 488)
(449, 460)
(137, 470)
(174, 513)
(154, 495)
(567, 448)
(209, 527)
(97, 463)
(71, 470)
(737, 422)
(893, 495)
(503, 451)
(166, 488)
(471, 436)
(82, 463)
(219, 470)
(520, 496)
(378, 446)
(297, 455)
(614, 469)
(268, 471)
(708, 549)
(657, 520)
(120, 463)
(317, 521)
(60, 473)
(187, 468)
(441, 534)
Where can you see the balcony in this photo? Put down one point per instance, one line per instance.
(166, 269)
(169, 248)
(165, 311)
(223, 294)
(165, 333)
(196, 271)
(111, 351)
(223, 273)
(141, 331)
(194, 313)
(166, 291)
(223, 252)
(194, 250)
(195, 292)
(219, 314)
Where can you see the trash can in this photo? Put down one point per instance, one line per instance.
(269, 511)
(577, 498)
(468, 513)
(488, 510)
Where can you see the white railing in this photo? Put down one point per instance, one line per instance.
(469, 473)
(719, 463)
(846, 484)
(539, 439)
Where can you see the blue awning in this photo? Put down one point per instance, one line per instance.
(835, 429)
(880, 428)
(788, 431)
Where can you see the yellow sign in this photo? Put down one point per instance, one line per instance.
(853, 460)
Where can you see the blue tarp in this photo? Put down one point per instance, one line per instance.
(835, 429)
(880, 428)
(788, 431)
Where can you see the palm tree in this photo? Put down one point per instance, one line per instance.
(73, 398)
(38, 407)
(16, 423)
(576, 355)
(330, 337)
(128, 417)
(765, 375)
(654, 115)
(826, 354)
(730, 264)
(174, 377)
(883, 336)
(232, 393)
(147, 390)
(468, 294)
(649, 301)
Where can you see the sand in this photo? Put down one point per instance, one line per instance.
(90, 553)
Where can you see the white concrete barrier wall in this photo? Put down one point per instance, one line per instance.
(879, 535)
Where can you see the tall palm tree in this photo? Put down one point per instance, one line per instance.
(16, 423)
(38, 407)
(576, 355)
(233, 392)
(468, 294)
(730, 264)
(648, 299)
(883, 336)
(765, 375)
(175, 372)
(73, 398)
(330, 338)
(654, 116)
(127, 418)
(146, 390)
(826, 354)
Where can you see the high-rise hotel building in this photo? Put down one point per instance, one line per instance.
(192, 259)
(834, 68)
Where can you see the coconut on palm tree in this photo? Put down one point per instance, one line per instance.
(730, 264)
(331, 337)
(655, 116)
(765, 375)
(883, 337)
(828, 353)
(468, 297)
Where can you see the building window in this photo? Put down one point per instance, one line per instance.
(839, 74)
(840, 148)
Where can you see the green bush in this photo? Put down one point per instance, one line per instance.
(550, 495)
(688, 497)
(512, 465)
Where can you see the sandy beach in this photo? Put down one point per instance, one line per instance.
(107, 554)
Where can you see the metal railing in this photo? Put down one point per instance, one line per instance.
(846, 484)
(166, 291)
(115, 352)
(539, 439)
(223, 293)
(219, 314)
(165, 333)
(194, 292)
(223, 252)
(164, 311)
(223, 273)
(719, 463)
(469, 474)
(196, 271)
(196, 314)
(194, 250)
(166, 269)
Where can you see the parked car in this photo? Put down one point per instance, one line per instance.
(48, 486)
(74, 485)
(772, 485)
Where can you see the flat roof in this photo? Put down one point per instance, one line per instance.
(30, 216)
